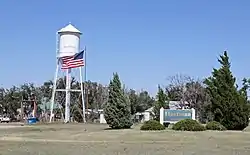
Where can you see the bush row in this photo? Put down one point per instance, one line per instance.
(183, 125)
(188, 125)
(152, 125)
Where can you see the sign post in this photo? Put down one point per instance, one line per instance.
(162, 115)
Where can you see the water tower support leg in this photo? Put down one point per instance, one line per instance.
(53, 93)
(67, 102)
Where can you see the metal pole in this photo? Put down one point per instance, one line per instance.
(22, 109)
(55, 80)
(85, 64)
(69, 93)
(87, 95)
(82, 92)
(53, 92)
(85, 77)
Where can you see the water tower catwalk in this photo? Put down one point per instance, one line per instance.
(69, 59)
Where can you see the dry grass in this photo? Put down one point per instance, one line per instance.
(90, 139)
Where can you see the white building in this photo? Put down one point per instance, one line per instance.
(144, 116)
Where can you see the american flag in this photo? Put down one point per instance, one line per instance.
(74, 61)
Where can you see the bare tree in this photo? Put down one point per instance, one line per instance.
(177, 87)
(190, 92)
(197, 98)
(101, 95)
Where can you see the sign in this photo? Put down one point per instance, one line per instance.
(176, 115)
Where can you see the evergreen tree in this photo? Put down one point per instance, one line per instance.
(133, 98)
(117, 111)
(161, 101)
(228, 105)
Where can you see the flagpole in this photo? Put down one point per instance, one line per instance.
(85, 64)
(82, 95)
(85, 77)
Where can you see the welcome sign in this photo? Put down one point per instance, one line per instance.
(173, 116)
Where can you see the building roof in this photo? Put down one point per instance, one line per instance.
(149, 109)
(172, 105)
(175, 104)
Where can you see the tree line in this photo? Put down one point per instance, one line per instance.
(217, 97)
(96, 96)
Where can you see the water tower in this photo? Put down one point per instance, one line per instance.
(67, 45)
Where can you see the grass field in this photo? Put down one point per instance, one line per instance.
(90, 139)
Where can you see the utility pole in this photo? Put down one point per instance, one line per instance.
(22, 109)
(87, 103)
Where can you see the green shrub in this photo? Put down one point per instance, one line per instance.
(152, 125)
(188, 125)
(215, 126)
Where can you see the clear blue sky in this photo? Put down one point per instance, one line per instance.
(144, 41)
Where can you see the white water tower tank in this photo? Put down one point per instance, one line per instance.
(69, 41)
